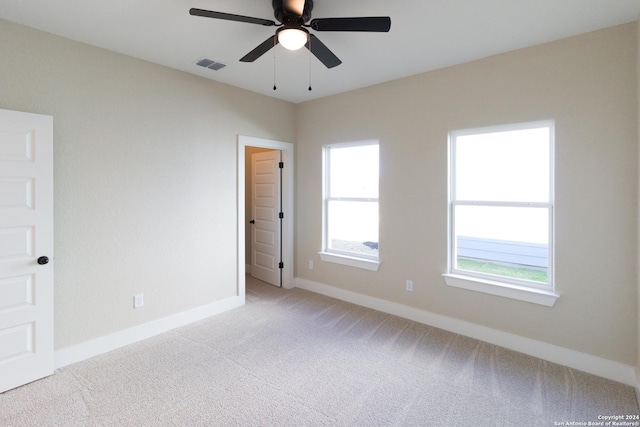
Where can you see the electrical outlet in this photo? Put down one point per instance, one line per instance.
(138, 300)
(310, 265)
(410, 285)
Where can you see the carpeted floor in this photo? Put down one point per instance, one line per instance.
(295, 358)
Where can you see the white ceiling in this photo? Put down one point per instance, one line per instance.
(425, 35)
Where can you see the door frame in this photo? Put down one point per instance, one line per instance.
(287, 202)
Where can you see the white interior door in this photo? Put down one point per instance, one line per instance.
(26, 248)
(265, 209)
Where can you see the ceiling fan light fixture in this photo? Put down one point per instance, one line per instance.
(292, 38)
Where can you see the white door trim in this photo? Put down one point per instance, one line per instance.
(287, 202)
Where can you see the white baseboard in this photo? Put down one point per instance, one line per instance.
(605, 368)
(88, 349)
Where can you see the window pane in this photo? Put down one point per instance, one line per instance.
(353, 171)
(353, 227)
(504, 241)
(503, 166)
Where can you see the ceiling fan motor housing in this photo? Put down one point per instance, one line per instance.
(291, 19)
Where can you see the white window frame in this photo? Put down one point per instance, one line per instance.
(352, 259)
(529, 291)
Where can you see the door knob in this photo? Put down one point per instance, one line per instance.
(253, 221)
(43, 260)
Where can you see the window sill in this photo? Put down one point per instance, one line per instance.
(521, 293)
(366, 264)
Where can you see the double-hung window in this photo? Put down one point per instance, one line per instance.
(501, 211)
(350, 205)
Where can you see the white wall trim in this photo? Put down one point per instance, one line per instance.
(605, 368)
(95, 347)
(522, 293)
(351, 261)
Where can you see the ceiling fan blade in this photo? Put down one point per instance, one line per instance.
(374, 24)
(230, 17)
(260, 50)
(322, 52)
(294, 6)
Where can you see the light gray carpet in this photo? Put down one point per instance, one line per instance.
(295, 358)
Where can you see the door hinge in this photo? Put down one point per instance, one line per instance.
(281, 215)
(281, 165)
(281, 265)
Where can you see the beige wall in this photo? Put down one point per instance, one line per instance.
(145, 178)
(587, 84)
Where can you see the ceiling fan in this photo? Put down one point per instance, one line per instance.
(292, 33)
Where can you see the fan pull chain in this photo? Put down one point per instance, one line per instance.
(274, 64)
(309, 36)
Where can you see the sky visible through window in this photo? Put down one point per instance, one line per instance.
(510, 166)
(353, 174)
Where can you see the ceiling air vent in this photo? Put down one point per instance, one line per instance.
(210, 63)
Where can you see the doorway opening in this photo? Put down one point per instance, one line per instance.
(246, 147)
